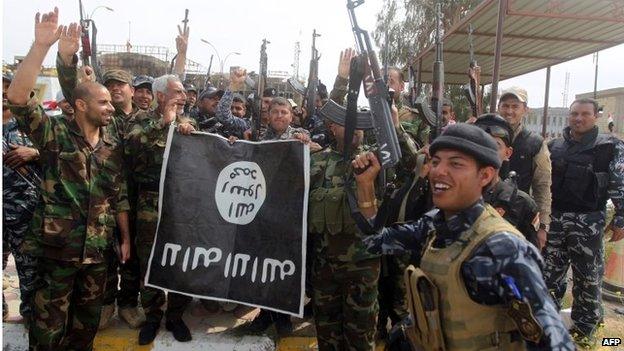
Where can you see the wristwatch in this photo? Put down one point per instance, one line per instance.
(546, 227)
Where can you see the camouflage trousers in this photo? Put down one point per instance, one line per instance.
(67, 305)
(576, 239)
(26, 265)
(153, 299)
(392, 291)
(345, 303)
(123, 281)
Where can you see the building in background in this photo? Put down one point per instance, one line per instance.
(612, 103)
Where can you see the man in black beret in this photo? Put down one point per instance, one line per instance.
(473, 265)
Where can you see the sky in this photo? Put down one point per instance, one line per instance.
(240, 26)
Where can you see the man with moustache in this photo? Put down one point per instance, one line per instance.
(588, 169)
(144, 149)
(83, 200)
(143, 95)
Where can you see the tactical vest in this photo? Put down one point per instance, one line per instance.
(333, 229)
(525, 147)
(580, 178)
(517, 207)
(446, 317)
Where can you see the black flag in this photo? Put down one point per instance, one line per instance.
(233, 221)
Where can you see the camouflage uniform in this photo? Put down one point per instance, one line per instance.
(289, 133)
(82, 189)
(413, 124)
(231, 125)
(144, 149)
(576, 233)
(344, 275)
(500, 254)
(128, 292)
(19, 199)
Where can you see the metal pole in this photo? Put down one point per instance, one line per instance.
(419, 78)
(502, 10)
(545, 115)
(596, 76)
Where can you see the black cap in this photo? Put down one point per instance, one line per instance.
(143, 81)
(7, 76)
(190, 87)
(468, 139)
(496, 126)
(269, 92)
(238, 97)
(210, 92)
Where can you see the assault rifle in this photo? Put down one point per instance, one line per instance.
(309, 93)
(376, 91)
(88, 55)
(207, 81)
(260, 85)
(472, 89)
(437, 95)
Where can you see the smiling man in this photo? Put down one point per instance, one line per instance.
(144, 149)
(588, 168)
(530, 159)
(480, 264)
(83, 199)
(280, 117)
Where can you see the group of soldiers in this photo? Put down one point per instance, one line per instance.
(488, 216)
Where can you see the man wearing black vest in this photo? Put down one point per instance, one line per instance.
(588, 168)
(530, 159)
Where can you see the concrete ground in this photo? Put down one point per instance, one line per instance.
(217, 330)
(210, 330)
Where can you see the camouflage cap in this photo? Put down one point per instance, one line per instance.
(517, 92)
(143, 81)
(118, 75)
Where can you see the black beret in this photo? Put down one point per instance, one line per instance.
(496, 126)
(470, 140)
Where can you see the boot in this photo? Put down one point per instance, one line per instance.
(134, 316)
(106, 315)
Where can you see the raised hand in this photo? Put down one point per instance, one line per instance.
(365, 167)
(345, 62)
(182, 40)
(47, 30)
(69, 42)
(237, 78)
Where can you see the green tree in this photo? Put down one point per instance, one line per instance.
(410, 26)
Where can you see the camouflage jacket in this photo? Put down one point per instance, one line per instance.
(232, 125)
(413, 124)
(289, 133)
(502, 254)
(145, 147)
(83, 187)
(331, 227)
(20, 192)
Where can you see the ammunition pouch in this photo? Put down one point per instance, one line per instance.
(423, 299)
